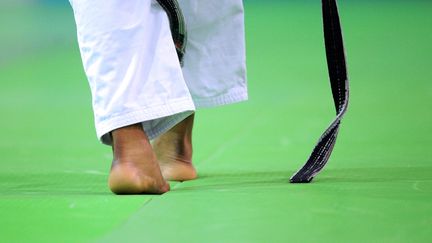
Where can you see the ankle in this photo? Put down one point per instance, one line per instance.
(130, 140)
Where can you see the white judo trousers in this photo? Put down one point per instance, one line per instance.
(132, 66)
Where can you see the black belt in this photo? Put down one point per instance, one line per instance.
(340, 88)
(337, 72)
(177, 25)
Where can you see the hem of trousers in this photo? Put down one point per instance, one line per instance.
(164, 124)
(157, 115)
(230, 98)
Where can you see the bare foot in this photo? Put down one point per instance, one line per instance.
(134, 168)
(174, 152)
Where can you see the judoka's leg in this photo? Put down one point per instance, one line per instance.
(134, 167)
(135, 78)
(174, 152)
(214, 69)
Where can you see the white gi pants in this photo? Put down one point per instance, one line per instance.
(132, 66)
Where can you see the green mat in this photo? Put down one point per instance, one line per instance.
(377, 186)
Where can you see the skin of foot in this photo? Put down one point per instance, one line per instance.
(134, 169)
(173, 150)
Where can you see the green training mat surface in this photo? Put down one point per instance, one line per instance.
(377, 187)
